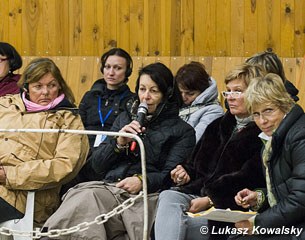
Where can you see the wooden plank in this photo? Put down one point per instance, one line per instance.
(154, 27)
(289, 65)
(287, 28)
(205, 27)
(30, 18)
(25, 62)
(176, 63)
(97, 74)
(4, 23)
(198, 28)
(62, 63)
(268, 17)
(232, 62)
(167, 29)
(187, 28)
(86, 78)
(299, 20)
(237, 28)
(98, 34)
(49, 35)
(219, 73)
(165, 60)
(250, 28)
(137, 65)
(300, 84)
(73, 76)
(189, 59)
(136, 27)
(207, 62)
(146, 28)
(300, 72)
(223, 28)
(62, 28)
(75, 27)
(147, 60)
(110, 22)
(123, 28)
(88, 27)
(14, 24)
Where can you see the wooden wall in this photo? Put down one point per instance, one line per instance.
(218, 28)
(80, 72)
(75, 32)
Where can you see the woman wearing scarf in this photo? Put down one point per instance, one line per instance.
(38, 161)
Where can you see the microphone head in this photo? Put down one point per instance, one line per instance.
(142, 112)
(143, 107)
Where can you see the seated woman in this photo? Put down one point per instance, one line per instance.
(272, 64)
(38, 161)
(199, 93)
(282, 122)
(226, 157)
(168, 140)
(107, 97)
(10, 61)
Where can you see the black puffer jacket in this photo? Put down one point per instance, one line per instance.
(287, 173)
(168, 141)
(109, 99)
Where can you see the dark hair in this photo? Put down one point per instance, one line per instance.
(193, 76)
(164, 78)
(14, 58)
(270, 62)
(39, 67)
(121, 53)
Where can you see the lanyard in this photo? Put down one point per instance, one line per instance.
(103, 120)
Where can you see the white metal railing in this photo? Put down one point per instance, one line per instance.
(87, 132)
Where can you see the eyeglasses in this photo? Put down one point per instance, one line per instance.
(233, 94)
(266, 114)
(3, 59)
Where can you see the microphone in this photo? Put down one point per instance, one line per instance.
(141, 114)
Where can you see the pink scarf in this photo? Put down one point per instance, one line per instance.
(34, 107)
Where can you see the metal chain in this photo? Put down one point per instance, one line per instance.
(78, 228)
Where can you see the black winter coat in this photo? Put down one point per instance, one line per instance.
(224, 162)
(168, 140)
(109, 99)
(287, 174)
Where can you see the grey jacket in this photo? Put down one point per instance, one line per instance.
(203, 110)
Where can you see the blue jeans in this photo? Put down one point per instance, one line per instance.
(172, 223)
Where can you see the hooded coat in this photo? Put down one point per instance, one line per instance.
(39, 161)
(207, 110)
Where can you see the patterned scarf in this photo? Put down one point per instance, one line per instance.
(266, 157)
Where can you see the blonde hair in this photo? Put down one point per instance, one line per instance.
(39, 67)
(246, 72)
(268, 89)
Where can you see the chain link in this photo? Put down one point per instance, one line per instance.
(54, 233)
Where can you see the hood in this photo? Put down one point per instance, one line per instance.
(208, 95)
